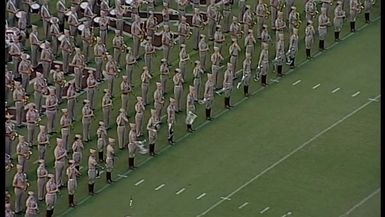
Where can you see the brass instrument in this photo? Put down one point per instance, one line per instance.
(188, 35)
(299, 22)
(282, 5)
(267, 11)
(25, 99)
(29, 155)
(361, 8)
(13, 135)
(105, 56)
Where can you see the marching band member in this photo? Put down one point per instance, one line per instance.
(183, 60)
(280, 54)
(261, 13)
(20, 185)
(246, 75)
(51, 105)
(263, 63)
(71, 99)
(158, 101)
(110, 159)
(72, 184)
(51, 196)
(171, 121)
(91, 89)
(137, 36)
(32, 207)
(60, 156)
(65, 123)
(32, 119)
(309, 38)
(107, 107)
(23, 153)
(149, 51)
(121, 122)
(178, 89)
(43, 142)
(293, 48)
(310, 10)
(208, 96)
(99, 53)
(54, 32)
(66, 47)
(130, 61)
(139, 116)
(355, 9)
(152, 128)
(46, 59)
(59, 80)
(234, 52)
(118, 44)
(112, 72)
(145, 78)
(87, 115)
(164, 74)
(228, 79)
(101, 133)
(167, 42)
(40, 89)
(323, 23)
(77, 151)
(25, 69)
(198, 24)
(235, 28)
(203, 52)
(183, 31)
(42, 174)
(338, 20)
(19, 97)
(219, 38)
(92, 164)
(216, 59)
(197, 75)
(190, 108)
(126, 91)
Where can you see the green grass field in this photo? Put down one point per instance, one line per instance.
(288, 147)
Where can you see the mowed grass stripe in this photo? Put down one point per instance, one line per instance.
(203, 154)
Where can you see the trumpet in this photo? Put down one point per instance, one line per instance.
(124, 47)
(105, 58)
(29, 155)
(25, 99)
(13, 135)
(189, 34)
(361, 8)
(299, 22)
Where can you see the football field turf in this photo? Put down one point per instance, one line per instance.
(307, 146)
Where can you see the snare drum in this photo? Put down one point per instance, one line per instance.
(27, 55)
(42, 46)
(83, 6)
(61, 37)
(113, 12)
(96, 21)
(80, 28)
(35, 8)
(129, 2)
(19, 14)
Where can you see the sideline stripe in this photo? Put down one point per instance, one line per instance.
(288, 155)
(243, 205)
(200, 196)
(355, 94)
(264, 210)
(361, 202)
(159, 187)
(316, 86)
(180, 191)
(335, 90)
(206, 122)
(295, 83)
(140, 182)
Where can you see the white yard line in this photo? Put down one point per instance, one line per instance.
(360, 203)
(122, 176)
(295, 83)
(335, 90)
(159, 187)
(225, 198)
(243, 205)
(264, 210)
(200, 196)
(375, 100)
(356, 94)
(316, 86)
(180, 191)
(140, 182)
(288, 155)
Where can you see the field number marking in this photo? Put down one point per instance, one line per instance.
(335, 90)
(180, 191)
(200, 196)
(159, 187)
(264, 210)
(316, 86)
(243, 205)
(295, 83)
(356, 93)
(287, 214)
(140, 182)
